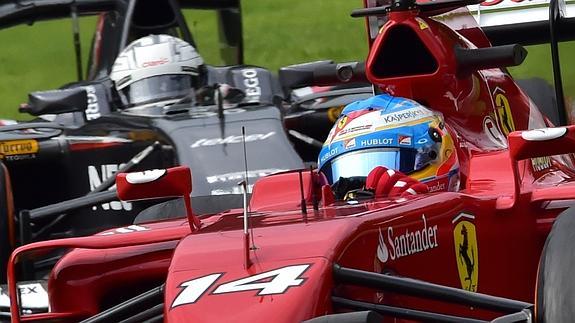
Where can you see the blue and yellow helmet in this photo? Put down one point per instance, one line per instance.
(394, 132)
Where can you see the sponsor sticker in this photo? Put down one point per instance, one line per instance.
(503, 111)
(206, 112)
(33, 296)
(493, 133)
(405, 140)
(422, 24)
(252, 85)
(330, 153)
(349, 144)
(146, 176)
(466, 251)
(232, 190)
(92, 111)
(128, 229)
(97, 174)
(342, 122)
(404, 116)
(409, 242)
(541, 163)
(438, 185)
(206, 142)
(160, 61)
(377, 142)
(352, 130)
(354, 124)
(18, 147)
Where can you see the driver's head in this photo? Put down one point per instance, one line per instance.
(157, 68)
(396, 133)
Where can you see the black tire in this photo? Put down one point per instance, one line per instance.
(6, 216)
(555, 298)
(543, 95)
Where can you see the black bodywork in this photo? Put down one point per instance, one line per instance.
(73, 159)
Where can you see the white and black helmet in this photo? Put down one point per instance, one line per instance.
(157, 68)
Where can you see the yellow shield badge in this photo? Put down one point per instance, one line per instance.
(342, 122)
(466, 254)
(504, 115)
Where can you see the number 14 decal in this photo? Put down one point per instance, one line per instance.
(268, 283)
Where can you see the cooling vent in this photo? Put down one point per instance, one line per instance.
(403, 54)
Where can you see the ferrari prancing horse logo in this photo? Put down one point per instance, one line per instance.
(342, 122)
(466, 254)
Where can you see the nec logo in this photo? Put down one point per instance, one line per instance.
(155, 63)
(96, 178)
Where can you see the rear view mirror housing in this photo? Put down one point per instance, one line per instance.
(159, 183)
(56, 101)
(321, 73)
(541, 142)
(533, 144)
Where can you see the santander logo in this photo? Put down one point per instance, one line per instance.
(406, 242)
(382, 253)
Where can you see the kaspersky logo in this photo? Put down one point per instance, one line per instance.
(404, 116)
(397, 245)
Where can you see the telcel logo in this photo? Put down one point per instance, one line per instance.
(231, 140)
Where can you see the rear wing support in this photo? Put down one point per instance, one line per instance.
(556, 12)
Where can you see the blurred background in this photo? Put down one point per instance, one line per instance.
(276, 33)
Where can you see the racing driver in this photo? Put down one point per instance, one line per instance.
(157, 70)
(388, 146)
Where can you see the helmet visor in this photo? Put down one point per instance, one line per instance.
(158, 88)
(360, 163)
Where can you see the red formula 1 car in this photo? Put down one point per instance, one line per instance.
(294, 254)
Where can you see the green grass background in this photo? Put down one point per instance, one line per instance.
(276, 33)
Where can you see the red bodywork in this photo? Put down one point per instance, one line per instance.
(485, 238)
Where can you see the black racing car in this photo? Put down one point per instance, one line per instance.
(76, 144)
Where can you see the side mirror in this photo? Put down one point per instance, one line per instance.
(56, 101)
(159, 183)
(321, 73)
(541, 142)
(532, 144)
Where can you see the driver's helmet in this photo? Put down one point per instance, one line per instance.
(393, 132)
(157, 68)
